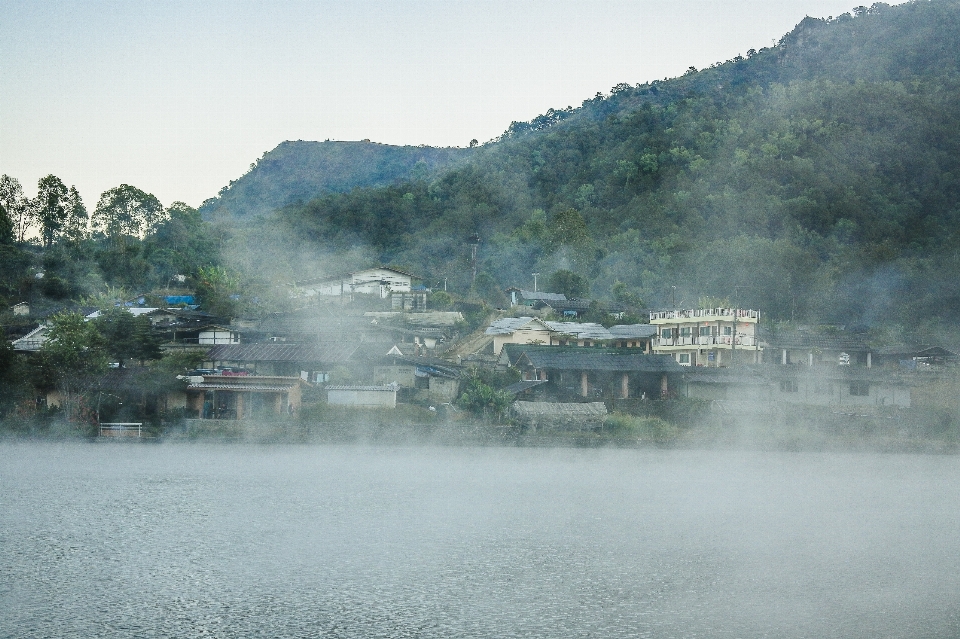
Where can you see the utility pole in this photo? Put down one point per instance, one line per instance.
(474, 241)
(535, 282)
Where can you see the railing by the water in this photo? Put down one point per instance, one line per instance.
(122, 429)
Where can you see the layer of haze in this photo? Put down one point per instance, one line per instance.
(178, 98)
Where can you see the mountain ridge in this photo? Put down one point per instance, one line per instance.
(297, 171)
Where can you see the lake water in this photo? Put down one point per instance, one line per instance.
(180, 540)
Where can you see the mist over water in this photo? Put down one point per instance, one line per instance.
(293, 541)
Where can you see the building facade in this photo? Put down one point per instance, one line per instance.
(712, 337)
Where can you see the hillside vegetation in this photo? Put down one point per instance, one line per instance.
(300, 171)
(817, 179)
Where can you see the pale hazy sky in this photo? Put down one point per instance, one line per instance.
(179, 97)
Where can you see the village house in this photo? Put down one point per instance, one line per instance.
(242, 397)
(432, 378)
(380, 282)
(914, 357)
(311, 362)
(816, 348)
(770, 386)
(599, 372)
(518, 330)
(710, 337)
(533, 299)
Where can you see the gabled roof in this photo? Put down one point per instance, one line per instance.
(32, 341)
(283, 352)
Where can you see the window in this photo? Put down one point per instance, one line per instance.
(685, 331)
(859, 389)
(789, 386)
(704, 331)
(728, 330)
(684, 359)
(666, 333)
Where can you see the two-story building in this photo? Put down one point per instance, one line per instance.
(380, 281)
(711, 337)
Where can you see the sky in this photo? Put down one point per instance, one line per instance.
(180, 97)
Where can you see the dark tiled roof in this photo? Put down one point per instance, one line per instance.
(915, 350)
(283, 352)
(802, 340)
(590, 359)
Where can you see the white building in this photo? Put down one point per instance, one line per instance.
(380, 281)
(707, 336)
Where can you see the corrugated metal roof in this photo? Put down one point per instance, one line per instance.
(582, 330)
(633, 331)
(507, 325)
(283, 352)
(540, 295)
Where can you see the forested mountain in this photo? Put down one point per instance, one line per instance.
(817, 179)
(300, 171)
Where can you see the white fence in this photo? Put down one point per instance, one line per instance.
(121, 429)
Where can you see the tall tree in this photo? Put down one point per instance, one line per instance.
(126, 212)
(74, 352)
(50, 208)
(17, 206)
(6, 226)
(128, 337)
(76, 227)
(569, 283)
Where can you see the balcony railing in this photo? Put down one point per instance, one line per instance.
(705, 314)
(707, 340)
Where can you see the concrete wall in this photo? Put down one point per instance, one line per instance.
(522, 336)
(403, 375)
(444, 389)
(362, 398)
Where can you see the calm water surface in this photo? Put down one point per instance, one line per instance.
(177, 540)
